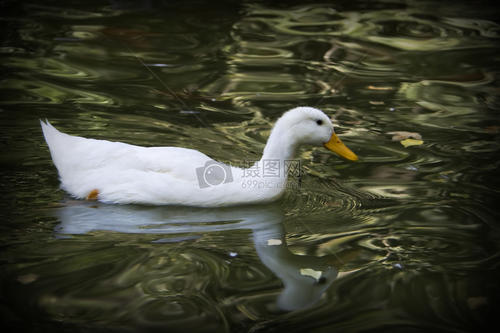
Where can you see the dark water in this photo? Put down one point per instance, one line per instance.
(407, 239)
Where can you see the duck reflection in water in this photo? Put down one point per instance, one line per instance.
(305, 277)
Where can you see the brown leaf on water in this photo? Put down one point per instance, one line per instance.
(492, 129)
(476, 302)
(27, 278)
(371, 87)
(403, 135)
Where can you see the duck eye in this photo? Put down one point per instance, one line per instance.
(319, 122)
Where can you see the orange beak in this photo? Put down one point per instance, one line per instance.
(338, 147)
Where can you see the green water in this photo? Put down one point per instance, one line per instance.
(406, 239)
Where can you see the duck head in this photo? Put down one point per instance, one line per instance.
(307, 125)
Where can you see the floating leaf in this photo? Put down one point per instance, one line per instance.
(476, 302)
(311, 272)
(380, 87)
(402, 135)
(411, 142)
(28, 278)
(492, 129)
(274, 242)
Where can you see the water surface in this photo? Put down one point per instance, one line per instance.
(406, 239)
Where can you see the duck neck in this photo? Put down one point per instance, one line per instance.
(279, 148)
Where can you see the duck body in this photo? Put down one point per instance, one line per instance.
(116, 172)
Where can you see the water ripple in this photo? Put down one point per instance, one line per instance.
(44, 92)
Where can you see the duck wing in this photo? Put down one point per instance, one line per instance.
(113, 167)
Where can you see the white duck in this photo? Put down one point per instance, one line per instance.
(115, 172)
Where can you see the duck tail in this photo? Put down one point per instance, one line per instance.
(49, 133)
(56, 142)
